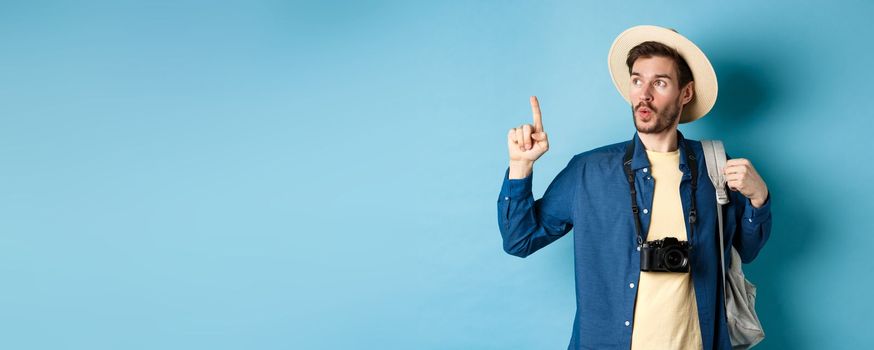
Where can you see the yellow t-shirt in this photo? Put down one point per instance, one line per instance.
(666, 313)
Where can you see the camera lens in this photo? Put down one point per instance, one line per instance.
(675, 260)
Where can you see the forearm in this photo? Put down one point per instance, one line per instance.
(754, 229)
(515, 211)
(526, 224)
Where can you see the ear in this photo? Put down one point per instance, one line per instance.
(688, 92)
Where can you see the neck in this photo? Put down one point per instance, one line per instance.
(661, 142)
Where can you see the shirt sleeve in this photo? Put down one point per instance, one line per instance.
(526, 224)
(753, 227)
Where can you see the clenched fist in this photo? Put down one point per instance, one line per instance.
(741, 176)
(526, 144)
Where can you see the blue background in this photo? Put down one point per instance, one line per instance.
(284, 175)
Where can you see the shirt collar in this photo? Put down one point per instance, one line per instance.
(640, 160)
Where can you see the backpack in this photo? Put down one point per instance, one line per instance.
(744, 327)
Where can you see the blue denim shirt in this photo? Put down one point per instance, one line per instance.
(591, 196)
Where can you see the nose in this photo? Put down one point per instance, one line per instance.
(645, 94)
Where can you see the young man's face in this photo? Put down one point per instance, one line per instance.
(656, 97)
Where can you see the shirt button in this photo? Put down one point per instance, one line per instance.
(645, 211)
(506, 198)
(750, 219)
(631, 285)
(627, 323)
(645, 170)
(638, 248)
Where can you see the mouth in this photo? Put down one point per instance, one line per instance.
(644, 111)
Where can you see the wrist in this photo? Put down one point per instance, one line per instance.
(520, 169)
(759, 201)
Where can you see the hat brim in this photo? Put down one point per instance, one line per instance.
(706, 86)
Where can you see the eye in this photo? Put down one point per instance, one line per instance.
(635, 81)
(660, 83)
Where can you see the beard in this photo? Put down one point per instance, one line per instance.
(663, 119)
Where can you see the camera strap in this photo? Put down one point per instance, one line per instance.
(629, 175)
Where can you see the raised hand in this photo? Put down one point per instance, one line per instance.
(527, 142)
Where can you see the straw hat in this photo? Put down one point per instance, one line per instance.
(706, 86)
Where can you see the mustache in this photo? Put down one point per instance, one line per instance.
(644, 104)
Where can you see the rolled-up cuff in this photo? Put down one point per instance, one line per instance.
(756, 216)
(516, 188)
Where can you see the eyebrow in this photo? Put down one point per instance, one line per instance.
(657, 75)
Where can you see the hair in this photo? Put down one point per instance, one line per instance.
(648, 49)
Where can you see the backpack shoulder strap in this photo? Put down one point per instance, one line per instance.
(714, 155)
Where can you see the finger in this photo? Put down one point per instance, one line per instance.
(535, 110)
(737, 161)
(738, 183)
(539, 136)
(735, 169)
(526, 136)
(735, 178)
(740, 169)
(511, 136)
(519, 139)
(543, 142)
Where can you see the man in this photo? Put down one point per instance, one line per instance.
(622, 303)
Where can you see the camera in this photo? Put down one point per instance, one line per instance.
(665, 255)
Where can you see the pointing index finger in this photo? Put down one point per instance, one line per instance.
(535, 110)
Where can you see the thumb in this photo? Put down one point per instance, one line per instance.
(539, 136)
